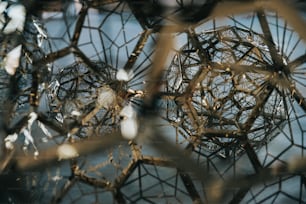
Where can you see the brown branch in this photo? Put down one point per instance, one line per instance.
(51, 157)
(79, 24)
(53, 56)
(138, 49)
(190, 187)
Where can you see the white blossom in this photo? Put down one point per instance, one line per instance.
(123, 75)
(128, 124)
(17, 14)
(3, 6)
(66, 151)
(9, 140)
(11, 61)
(56, 178)
(137, 93)
(44, 139)
(9, 145)
(204, 102)
(36, 153)
(106, 98)
(128, 112)
(75, 113)
(285, 62)
(12, 137)
(129, 128)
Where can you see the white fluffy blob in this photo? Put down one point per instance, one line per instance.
(129, 128)
(17, 14)
(123, 75)
(128, 112)
(76, 113)
(106, 98)
(3, 6)
(129, 124)
(66, 151)
(9, 141)
(9, 145)
(11, 61)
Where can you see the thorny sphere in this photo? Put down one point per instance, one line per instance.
(219, 110)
